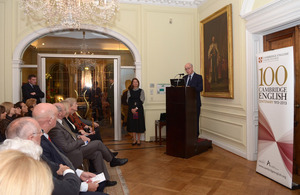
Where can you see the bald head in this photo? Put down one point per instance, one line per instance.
(46, 115)
(25, 128)
(189, 68)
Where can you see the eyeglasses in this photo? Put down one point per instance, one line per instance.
(39, 132)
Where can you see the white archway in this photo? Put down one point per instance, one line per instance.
(21, 47)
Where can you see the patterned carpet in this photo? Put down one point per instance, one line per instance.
(116, 175)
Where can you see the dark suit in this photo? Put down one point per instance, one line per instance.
(75, 150)
(54, 157)
(27, 89)
(197, 83)
(110, 99)
(67, 185)
(53, 154)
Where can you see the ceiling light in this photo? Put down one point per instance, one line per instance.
(70, 13)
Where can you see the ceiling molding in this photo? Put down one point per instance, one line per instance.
(172, 3)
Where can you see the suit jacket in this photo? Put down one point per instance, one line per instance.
(53, 154)
(66, 185)
(197, 83)
(27, 89)
(65, 141)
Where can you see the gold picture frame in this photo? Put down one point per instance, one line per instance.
(216, 54)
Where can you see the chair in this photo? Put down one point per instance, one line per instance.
(160, 123)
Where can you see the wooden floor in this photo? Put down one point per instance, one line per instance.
(151, 172)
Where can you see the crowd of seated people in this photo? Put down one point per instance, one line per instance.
(64, 148)
(10, 112)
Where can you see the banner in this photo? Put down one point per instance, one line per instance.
(276, 115)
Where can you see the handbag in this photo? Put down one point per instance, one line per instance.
(135, 115)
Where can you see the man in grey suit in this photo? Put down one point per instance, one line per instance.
(75, 147)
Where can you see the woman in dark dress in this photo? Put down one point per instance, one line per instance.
(136, 119)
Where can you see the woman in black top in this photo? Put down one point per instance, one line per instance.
(136, 119)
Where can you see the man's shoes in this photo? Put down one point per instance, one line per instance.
(115, 153)
(118, 162)
(110, 183)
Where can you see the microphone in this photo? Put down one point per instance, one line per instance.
(181, 74)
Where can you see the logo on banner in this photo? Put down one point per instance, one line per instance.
(271, 87)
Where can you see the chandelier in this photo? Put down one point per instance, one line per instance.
(70, 13)
(84, 63)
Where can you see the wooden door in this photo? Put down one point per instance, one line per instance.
(281, 39)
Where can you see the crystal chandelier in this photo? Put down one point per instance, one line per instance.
(83, 63)
(70, 13)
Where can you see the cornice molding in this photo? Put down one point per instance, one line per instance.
(276, 14)
(172, 3)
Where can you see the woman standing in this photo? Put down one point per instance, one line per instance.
(136, 119)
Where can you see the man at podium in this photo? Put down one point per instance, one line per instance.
(193, 79)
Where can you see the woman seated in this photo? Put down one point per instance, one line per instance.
(75, 123)
(10, 116)
(30, 103)
(2, 116)
(22, 106)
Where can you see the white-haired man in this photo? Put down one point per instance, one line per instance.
(64, 178)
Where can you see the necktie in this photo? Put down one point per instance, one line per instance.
(49, 139)
(68, 129)
(189, 82)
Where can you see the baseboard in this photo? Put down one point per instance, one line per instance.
(228, 148)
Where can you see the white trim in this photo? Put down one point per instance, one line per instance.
(247, 6)
(273, 17)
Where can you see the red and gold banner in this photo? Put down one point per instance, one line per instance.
(276, 115)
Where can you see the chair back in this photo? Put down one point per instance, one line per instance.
(163, 117)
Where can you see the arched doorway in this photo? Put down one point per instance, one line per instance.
(23, 45)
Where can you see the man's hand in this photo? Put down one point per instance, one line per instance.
(92, 187)
(32, 93)
(86, 176)
(84, 138)
(61, 169)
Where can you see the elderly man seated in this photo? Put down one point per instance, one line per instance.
(64, 178)
(75, 148)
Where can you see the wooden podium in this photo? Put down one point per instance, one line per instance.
(181, 122)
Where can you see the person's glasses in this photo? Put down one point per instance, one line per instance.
(38, 133)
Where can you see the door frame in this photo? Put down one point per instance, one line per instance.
(275, 16)
(41, 69)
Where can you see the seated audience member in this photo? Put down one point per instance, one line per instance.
(65, 180)
(30, 103)
(78, 148)
(10, 116)
(10, 110)
(3, 116)
(77, 125)
(22, 173)
(46, 114)
(23, 107)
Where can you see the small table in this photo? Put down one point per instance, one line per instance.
(160, 124)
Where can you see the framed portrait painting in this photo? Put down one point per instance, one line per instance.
(216, 54)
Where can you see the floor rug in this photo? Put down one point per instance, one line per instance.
(116, 175)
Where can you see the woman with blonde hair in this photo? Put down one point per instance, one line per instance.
(10, 110)
(23, 175)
